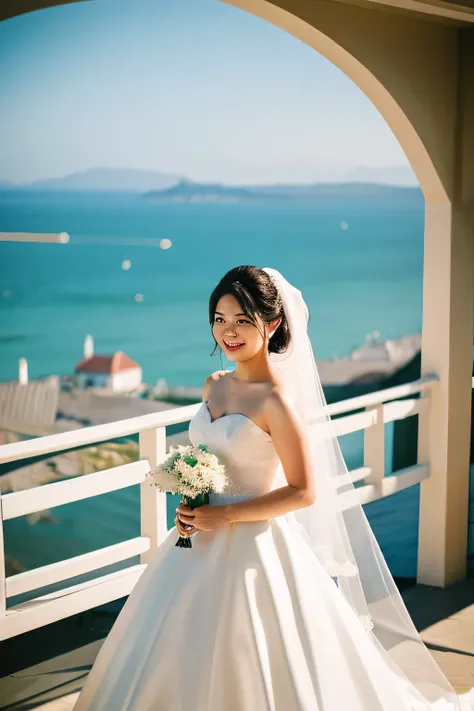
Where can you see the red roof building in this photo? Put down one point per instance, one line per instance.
(106, 364)
(115, 372)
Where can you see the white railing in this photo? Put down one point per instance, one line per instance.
(377, 409)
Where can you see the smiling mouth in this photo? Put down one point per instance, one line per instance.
(233, 346)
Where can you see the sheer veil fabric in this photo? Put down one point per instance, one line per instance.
(335, 524)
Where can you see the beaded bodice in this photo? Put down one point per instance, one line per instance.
(246, 450)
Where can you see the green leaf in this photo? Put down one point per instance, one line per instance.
(203, 448)
(191, 461)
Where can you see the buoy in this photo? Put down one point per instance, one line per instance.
(165, 243)
(126, 264)
(138, 297)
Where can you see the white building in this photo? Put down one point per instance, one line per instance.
(115, 372)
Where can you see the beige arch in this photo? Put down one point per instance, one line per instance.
(407, 68)
(381, 52)
(418, 75)
(409, 138)
(417, 71)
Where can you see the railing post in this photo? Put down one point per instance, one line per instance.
(3, 572)
(374, 446)
(152, 445)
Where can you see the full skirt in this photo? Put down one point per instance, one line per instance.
(248, 619)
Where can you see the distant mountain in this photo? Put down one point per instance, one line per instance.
(150, 181)
(402, 175)
(363, 183)
(348, 189)
(187, 191)
(127, 179)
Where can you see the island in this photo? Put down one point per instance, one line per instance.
(188, 191)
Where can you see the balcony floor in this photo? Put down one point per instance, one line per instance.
(45, 669)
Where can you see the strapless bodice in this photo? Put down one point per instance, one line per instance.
(245, 449)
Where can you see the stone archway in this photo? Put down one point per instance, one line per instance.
(417, 75)
(417, 71)
(364, 45)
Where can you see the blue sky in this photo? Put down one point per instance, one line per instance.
(192, 87)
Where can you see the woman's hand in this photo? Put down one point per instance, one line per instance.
(183, 529)
(203, 518)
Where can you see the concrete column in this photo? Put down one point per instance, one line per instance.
(444, 435)
(447, 350)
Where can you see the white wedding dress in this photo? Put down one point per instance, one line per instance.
(248, 619)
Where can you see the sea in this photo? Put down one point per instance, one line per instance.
(358, 262)
(362, 276)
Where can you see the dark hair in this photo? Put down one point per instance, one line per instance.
(257, 294)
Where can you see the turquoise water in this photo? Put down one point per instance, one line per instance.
(356, 280)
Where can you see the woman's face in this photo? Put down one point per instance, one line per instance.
(237, 334)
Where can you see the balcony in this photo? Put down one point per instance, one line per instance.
(53, 633)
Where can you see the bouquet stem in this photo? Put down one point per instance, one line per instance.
(199, 500)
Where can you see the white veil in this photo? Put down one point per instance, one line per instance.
(336, 525)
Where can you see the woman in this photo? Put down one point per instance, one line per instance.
(284, 602)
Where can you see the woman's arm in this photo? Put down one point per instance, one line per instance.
(291, 447)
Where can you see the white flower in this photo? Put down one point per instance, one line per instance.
(220, 481)
(164, 480)
(177, 476)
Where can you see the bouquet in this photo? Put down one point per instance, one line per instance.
(192, 472)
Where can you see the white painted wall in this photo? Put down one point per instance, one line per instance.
(126, 380)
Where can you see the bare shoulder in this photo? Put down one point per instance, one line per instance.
(210, 382)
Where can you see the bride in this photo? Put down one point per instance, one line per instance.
(284, 602)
